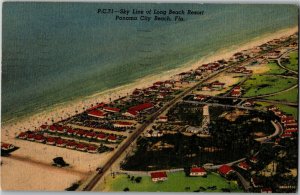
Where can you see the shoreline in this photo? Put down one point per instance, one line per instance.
(63, 110)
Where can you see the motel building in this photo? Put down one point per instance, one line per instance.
(71, 145)
(130, 113)
(200, 97)
(266, 190)
(90, 135)
(60, 143)
(30, 137)
(163, 119)
(225, 170)
(243, 165)
(92, 149)
(81, 147)
(112, 138)
(159, 176)
(110, 109)
(235, 93)
(23, 135)
(198, 171)
(123, 124)
(71, 131)
(50, 141)
(52, 129)
(97, 114)
(206, 88)
(217, 85)
(253, 159)
(101, 137)
(7, 147)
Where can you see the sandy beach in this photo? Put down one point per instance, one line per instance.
(82, 163)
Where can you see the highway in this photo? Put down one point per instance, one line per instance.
(136, 133)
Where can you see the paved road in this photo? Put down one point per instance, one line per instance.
(278, 60)
(275, 93)
(216, 104)
(245, 183)
(136, 133)
(278, 131)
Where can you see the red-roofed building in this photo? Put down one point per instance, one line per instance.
(198, 171)
(110, 109)
(50, 141)
(60, 143)
(30, 137)
(153, 89)
(291, 131)
(92, 149)
(225, 170)
(272, 108)
(235, 93)
(39, 138)
(159, 176)
(244, 165)
(71, 131)
(71, 145)
(158, 83)
(123, 124)
(253, 159)
(22, 135)
(206, 88)
(112, 138)
(288, 119)
(217, 85)
(81, 147)
(60, 129)
(6, 147)
(266, 190)
(237, 88)
(291, 126)
(101, 136)
(81, 133)
(90, 135)
(130, 113)
(286, 135)
(200, 97)
(141, 107)
(52, 129)
(44, 127)
(97, 114)
(163, 119)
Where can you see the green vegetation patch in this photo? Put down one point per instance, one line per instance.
(293, 65)
(286, 109)
(289, 96)
(177, 182)
(275, 69)
(266, 84)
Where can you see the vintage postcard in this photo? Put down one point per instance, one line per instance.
(149, 97)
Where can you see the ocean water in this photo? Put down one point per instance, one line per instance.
(58, 52)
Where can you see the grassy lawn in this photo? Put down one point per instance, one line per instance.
(289, 96)
(177, 182)
(275, 69)
(287, 109)
(293, 65)
(265, 84)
